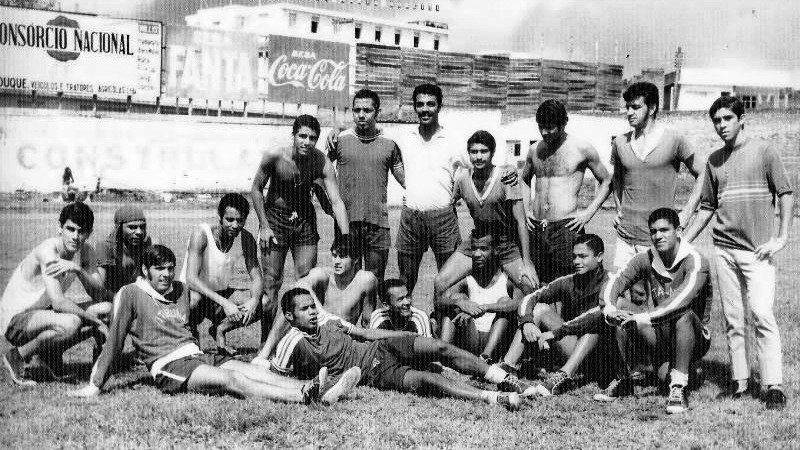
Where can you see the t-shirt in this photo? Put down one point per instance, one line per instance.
(293, 185)
(741, 185)
(123, 268)
(419, 322)
(362, 172)
(648, 180)
(492, 208)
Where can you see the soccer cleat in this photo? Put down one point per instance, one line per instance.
(678, 401)
(733, 392)
(619, 387)
(347, 381)
(555, 384)
(54, 368)
(15, 365)
(509, 400)
(513, 384)
(775, 398)
(312, 391)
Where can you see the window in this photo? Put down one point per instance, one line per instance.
(314, 24)
(357, 31)
(416, 40)
(749, 101)
(436, 44)
(377, 34)
(396, 38)
(292, 19)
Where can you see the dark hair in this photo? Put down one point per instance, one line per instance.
(647, 90)
(552, 112)
(370, 94)
(482, 232)
(287, 301)
(346, 247)
(79, 213)
(482, 137)
(67, 176)
(157, 254)
(729, 102)
(427, 89)
(235, 201)
(304, 120)
(664, 213)
(592, 241)
(385, 285)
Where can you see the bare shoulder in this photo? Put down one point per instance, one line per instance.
(47, 250)
(584, 147)
(366, 280)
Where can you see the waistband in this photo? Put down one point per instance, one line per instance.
(431, 213)
(542, 224)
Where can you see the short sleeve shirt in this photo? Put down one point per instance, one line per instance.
(493, 207)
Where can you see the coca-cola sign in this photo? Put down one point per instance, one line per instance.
(308, 71)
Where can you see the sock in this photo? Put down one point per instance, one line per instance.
(678, 377)
(495, 374)
(741, 385)
(490, 396)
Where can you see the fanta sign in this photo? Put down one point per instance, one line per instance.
(307, 71)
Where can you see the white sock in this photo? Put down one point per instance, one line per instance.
(490, 396)
(495, 374)
(741, 385)
(678, 377)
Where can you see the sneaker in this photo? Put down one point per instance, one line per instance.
(678, 401)
(733, 392)
(54, 368)
(509, 400)
(555, 384)
(619, 387)
(312, 391)
(513, 384)
(775, 398)
(347, 381)
(15, 365)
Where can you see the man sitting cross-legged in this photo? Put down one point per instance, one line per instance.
(675, 329)
(388, 362)
(155, 312)
(577, 328)
(35, 315)
(399, 314)
(477, 312)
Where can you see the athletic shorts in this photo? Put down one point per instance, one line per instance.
(419, 230)
(15, 333)
(173, 377)
(551, 250)
(290, 229)
(665, 342)
(369, 236)
(392, 361)
(507, 250)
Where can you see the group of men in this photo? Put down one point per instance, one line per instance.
(528, 279)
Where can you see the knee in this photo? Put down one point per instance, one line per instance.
(67, 325)
(540, 309)
(233, 381)
(688, 320)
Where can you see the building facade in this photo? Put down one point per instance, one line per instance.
(693, 89)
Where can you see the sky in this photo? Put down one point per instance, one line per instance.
(738, 34)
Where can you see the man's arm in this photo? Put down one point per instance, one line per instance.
(603, 178)
(398, 169)
(197, 245)
(527, 177)
(369, 296)
(696, 163)
(52, 266)
(250, 253)
(776, 244)
(373, 334)
(708, 206)
(339, 211)
(681, 299)
(620, 282)
(616, 182)
(550, 293)
(262, 176)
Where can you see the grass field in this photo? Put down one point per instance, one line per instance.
(132, 413)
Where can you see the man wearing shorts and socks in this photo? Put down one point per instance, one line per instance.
(387, 362)
(154, 311)
(744, 179)
(36, 317)
(364, 157)
(286, 217)
(398, 313)
(119, 256)
(675, 328)
(212, 252)
(558, 162)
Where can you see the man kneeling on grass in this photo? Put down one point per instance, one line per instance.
(320, 339)
(675, 329)
(576, 329)
(155, 312)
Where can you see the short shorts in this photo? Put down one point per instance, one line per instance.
(419, 230)
(15, 333)
(551, 250)
(292, 230)
(369, 236)
(665, 338)
(174, 376)
(392, 360)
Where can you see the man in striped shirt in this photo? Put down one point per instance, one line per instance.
(675, 329)
(743, 180)
(398, 313)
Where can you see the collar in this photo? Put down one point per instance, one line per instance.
(684, 250)
(649, 141)
(142, 284)
(440, 133)
(487, 188)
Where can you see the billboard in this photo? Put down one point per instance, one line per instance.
(79, 55)
(210, 64)
(308, 71)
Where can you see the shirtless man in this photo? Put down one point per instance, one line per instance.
(345, 291)
(286, 218)
(558, 162)
(35, 315)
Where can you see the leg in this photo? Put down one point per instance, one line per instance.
(518, 275)
(408, 264)
(50, 333)
(376, 250)
(210, 379)
(261, 375)
(515, 351)
(435, 383)
(497, 335)
(731, 285)
(411, 245)
(272, 266)
(583, 346)
(454, 269)
(429, 350)
(760, 279)
(305, 259)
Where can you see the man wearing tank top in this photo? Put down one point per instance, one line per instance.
(477, 312)
(208, 269)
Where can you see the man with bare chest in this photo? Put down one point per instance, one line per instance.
(558, 164)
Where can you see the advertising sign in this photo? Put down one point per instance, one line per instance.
(211, 64)
(308, 71)
(79, 55)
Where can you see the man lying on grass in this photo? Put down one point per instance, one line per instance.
(319, 339)
(675, 329)
(155, 312)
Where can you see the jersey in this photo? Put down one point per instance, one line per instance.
(419, 322)
(485, 296)
(493, 208)
(216, 266)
